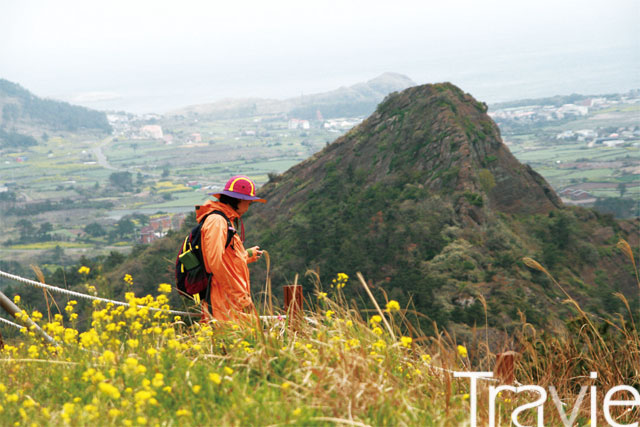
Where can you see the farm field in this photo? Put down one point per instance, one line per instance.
(70, 181)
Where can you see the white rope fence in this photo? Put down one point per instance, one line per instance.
(85, 296)
(10, 323)
(91, 297)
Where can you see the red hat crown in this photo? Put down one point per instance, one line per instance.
(241, 184)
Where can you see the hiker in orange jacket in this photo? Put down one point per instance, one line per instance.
(230, 291)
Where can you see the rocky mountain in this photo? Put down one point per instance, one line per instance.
(428, 203)
(22, 113)
(358, 100)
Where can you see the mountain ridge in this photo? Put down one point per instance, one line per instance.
(358, 99)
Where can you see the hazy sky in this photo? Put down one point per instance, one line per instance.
(158, 55)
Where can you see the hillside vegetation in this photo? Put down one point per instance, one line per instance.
(21, 109)
(425, 199)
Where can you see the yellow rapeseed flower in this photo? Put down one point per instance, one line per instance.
(110, 390)
(228, 370)
(215, 378)
(158, 380)
(285, 385)
(406, 341)
(392, 306)
(375, 319)
(84, 270)
(196, 389)
(165, 288)
(329, 314)
(183, 413)
(16, 299)
(462, 351)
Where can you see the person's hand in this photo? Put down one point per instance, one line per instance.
(254, 252)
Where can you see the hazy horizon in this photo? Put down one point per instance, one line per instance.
(156, 56)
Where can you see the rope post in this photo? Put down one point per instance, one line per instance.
(504, 369)
(293, 300)
(13, 310)
(1, 342)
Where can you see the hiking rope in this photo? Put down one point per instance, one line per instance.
(85, 296)
(9, 322)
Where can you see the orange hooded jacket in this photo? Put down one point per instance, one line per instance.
(230, 287)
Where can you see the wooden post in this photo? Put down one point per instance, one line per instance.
(293, 300)
(504, 369)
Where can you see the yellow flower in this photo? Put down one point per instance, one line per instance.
(158, 380)
(141, 421)
(297, 412)
(228, 370)
(285, 386)
(133, 343)
(113, 412)
(406, 341)
(84, 270)
(462, 351)
(128, 279)
(377, 330)
(215, 378)
(375, 319)
(16, 299)
(107, 357)
(392, 306)
(109, 390)
(329, 314)
(380, 345)
(196, 389)
(183, 413)
(426, 358)
(165, 288)
(322, 295)
(465, 396)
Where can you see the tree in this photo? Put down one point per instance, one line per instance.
(125, 228)
(622, 188)
(121, 180)
(26, 228)
(44, 230)
(94, 229)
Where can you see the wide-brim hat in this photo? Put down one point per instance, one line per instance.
(240, 187)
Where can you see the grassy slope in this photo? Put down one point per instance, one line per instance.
(135, 367)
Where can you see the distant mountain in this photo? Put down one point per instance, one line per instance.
(22, 112)
(358, 100)
(428, 203)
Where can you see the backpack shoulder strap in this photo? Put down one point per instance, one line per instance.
(231, 231)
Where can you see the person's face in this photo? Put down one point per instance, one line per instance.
(243, 206)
